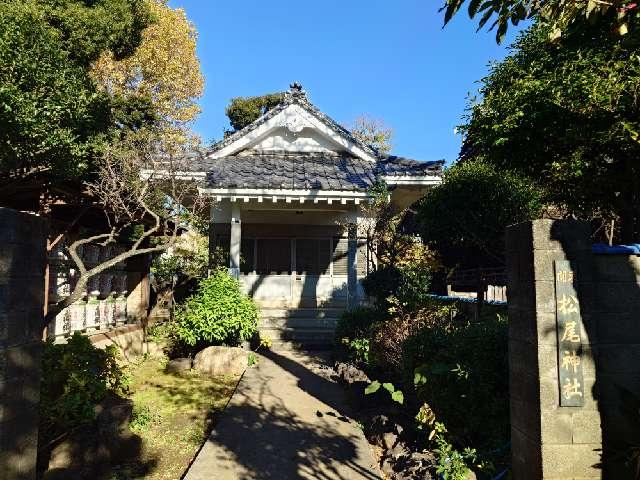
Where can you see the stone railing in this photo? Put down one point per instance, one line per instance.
(103, 305)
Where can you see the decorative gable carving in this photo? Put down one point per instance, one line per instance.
(295, 125)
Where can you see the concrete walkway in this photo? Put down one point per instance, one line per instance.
(287, 420)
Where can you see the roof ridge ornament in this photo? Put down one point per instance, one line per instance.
(296, 91)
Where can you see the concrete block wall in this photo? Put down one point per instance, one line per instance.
(550, 441)
(22, 263)
(615, 308)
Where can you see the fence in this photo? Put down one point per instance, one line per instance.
(107, 302)
(467, 283)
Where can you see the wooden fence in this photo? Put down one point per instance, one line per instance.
(467, 283)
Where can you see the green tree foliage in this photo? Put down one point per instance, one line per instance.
(53, 119)
(76, 376)
(465, 217)
(218, 313)
(560, 15)
(242, 111)
(566, 116)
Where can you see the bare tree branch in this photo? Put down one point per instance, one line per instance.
(156, 207)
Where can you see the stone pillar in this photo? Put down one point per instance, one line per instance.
(549, 439)
(22, 265)
(352, 259)
(234, 245)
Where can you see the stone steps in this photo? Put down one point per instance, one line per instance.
(303, 323)
(301, 312)
(301, 328)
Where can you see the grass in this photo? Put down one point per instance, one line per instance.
(173, 415)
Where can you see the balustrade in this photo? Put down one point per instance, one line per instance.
(103, 305)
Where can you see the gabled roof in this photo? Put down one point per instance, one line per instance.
(296, 147)
(311, 171)
(296, 96)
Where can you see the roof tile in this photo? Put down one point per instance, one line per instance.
(308, 171)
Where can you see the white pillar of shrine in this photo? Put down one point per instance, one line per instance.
(352, 259)
(234, 243)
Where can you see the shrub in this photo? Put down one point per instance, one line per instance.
(458, 222)
(382, 283)
(464, 365)
(357, 322)
(353, 330)
(76, 376)
(388, 339)
(406, 287)
(218, 313)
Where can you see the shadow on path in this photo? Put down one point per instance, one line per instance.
(285, 422)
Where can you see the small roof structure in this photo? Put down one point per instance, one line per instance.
(295, 149)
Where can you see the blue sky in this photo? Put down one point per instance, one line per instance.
(388, 59)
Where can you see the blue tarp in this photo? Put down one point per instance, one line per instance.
(603, 248)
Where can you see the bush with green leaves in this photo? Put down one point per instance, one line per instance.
(406, 287)
(219, 313)
(353, 330)
(465, 217)
(357, 322)
(460, 368)
(76, 376)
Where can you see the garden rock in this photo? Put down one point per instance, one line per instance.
(389, 440)
(221, 361)
(383, 431)
(93, 448)
(350, 374)
(178, 365)
(399, 451)
(403, 464)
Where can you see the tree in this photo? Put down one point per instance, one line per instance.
(64, 132)
(559, 15)
(164, 68)
(464, 218)
(145, 200)
(53, 119)
(177, 271)
(242, 111)
(566, 116)
(373, 132)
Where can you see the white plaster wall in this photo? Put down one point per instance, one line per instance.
(283, 139)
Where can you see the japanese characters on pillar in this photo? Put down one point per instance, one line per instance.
(569, 325)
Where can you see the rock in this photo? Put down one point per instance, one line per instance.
(389, 439)
(113, 414)
(221, 361)
(471, 475)
(399, 451)
(387, 467)
(93, 448)
(350, 374)
(178, 365)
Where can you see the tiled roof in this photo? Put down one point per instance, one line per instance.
(307, 171)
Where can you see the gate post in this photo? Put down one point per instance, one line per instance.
(22, 262)
(555, 422)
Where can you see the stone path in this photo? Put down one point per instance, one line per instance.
(287, 420)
